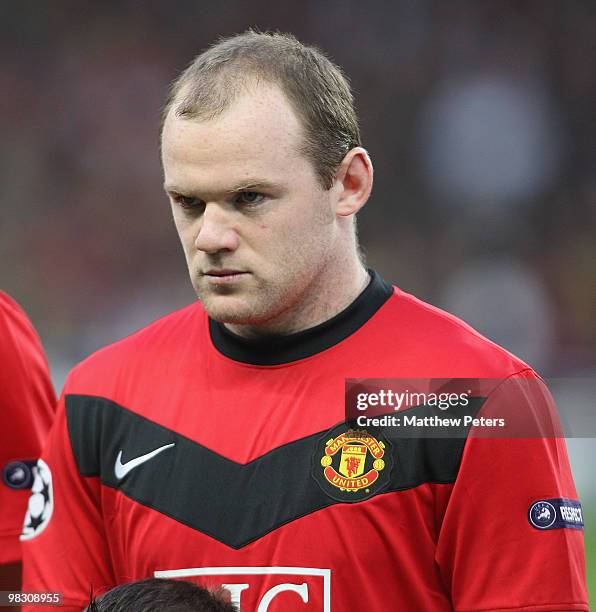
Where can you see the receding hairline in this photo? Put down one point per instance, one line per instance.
(183, 105)
(231, 63)
(316, 89)
(299, 142)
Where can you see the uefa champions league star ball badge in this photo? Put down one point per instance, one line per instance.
(41, 502)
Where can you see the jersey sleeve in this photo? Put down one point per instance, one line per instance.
(27, 403)
(65, 548)
(512, 535)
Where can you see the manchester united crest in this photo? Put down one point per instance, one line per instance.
(352, 464)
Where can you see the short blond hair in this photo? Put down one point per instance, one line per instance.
(315, 87)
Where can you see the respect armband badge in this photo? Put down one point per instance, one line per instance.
(556, 513)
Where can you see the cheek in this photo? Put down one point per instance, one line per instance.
(186, 235)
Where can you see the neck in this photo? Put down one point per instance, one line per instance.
(331, 291)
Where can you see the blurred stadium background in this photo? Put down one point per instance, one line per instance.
(479, 117)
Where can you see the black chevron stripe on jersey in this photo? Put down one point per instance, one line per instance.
(231, 502)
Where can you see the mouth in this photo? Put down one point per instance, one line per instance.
(223, 276)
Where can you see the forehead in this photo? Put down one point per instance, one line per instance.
(258, 135)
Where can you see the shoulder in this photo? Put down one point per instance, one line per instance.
(28, 397)
(441, 341)
(7, 304)
(11, 313)
(143, 350)
(16, 330)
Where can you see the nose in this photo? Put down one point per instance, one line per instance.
(215, 231)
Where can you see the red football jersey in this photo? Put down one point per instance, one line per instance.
(186, 451)
(27, 403)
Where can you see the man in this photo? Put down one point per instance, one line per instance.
(27, 403)
(153, 595)
(213, 445)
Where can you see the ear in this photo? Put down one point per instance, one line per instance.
(353, 182)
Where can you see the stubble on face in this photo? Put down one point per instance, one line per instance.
(285, 294)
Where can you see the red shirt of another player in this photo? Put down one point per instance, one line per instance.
(27, 402)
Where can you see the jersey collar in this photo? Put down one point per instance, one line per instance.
(277, 350)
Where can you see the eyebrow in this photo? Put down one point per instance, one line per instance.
(245, 185)
(252, 184)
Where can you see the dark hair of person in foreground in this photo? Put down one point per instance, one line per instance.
(160, 595)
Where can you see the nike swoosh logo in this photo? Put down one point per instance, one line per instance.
(122, 469)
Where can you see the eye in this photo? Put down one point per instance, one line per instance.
(188, 202)
(250, 198)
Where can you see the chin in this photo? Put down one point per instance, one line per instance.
(226, 309)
